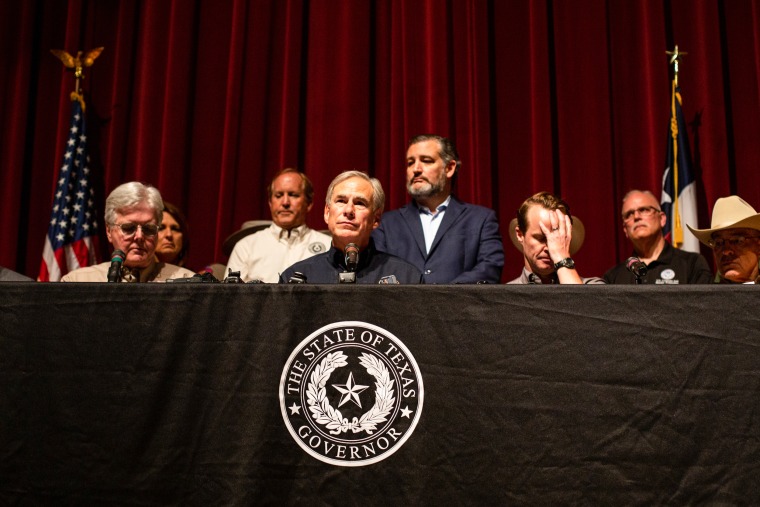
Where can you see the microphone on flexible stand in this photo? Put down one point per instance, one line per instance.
(638, 268)
(114, 271)
(352, 262)
(352, 257)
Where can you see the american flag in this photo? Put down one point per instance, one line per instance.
(72, 238)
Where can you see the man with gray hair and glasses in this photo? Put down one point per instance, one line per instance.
(133, 215)
(642, 224)
(734, 236)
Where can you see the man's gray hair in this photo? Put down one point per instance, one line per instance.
(378, 196)
(129, 195)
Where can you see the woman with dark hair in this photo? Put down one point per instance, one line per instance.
(173, 240)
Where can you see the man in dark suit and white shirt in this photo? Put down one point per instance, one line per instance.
(448, 240)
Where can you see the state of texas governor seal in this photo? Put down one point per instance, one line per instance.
(351, 394)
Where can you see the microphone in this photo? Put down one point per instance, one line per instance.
(352, 257)
(297, 277)
(114, 272)
(635, 266)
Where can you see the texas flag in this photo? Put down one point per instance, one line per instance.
(679, 187)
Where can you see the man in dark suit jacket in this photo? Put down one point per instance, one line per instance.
(448, 240)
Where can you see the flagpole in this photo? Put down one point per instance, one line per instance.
(72, 238)
(675, 58)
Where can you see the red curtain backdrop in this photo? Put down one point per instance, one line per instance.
(206, 100)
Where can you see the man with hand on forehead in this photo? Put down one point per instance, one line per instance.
(133, 215)
(547, 236)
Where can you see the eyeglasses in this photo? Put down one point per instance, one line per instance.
(129, 229)
(644, 212)
(733, 242)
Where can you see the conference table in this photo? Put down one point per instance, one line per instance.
(239, 394)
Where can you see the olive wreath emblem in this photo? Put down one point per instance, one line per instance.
(325, 414)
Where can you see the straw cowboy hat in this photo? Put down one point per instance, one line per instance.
(730, 212)
(579, 233)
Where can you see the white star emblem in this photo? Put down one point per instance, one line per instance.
(350, 391)
(405, 412)
(295, 409)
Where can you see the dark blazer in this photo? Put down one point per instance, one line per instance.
(466, 249)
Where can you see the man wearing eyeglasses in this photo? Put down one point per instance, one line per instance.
(734, 236)
(133, 215)
(642, 224)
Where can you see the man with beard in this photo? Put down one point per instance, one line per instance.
(642, 224)
(448, 240)
(734, 236)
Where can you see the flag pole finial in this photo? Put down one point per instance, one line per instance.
(675, 59)
(78, 63)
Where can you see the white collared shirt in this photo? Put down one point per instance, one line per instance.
(431, 221)
(265, 254)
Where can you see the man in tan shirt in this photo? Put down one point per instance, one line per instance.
(133, 215)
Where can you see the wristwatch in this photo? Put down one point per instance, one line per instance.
(565, 263)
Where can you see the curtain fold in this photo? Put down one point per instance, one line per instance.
(207, 100)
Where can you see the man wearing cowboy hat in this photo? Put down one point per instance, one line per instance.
(642, 224)
(265, 254)
(547, 235)
(734, 236)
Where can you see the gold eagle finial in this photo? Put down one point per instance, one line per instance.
(77, 62)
